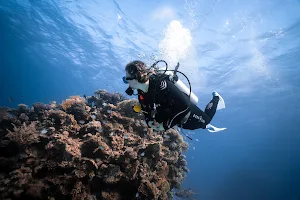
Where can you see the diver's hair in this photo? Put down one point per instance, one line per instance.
(139, 70)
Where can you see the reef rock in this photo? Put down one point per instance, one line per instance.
(87, 148)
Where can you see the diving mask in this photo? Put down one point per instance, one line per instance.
(126, 79)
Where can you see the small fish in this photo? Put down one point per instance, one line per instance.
(108, 111)
(125, 136)
(93, 116)
(142, 154)
(93, 104)
(10, 99)
(104, 104)
(137, 195)
(194, 148)
(197, 140)
(111, 134)
(44, 131)
(81, 121)
(145, 129)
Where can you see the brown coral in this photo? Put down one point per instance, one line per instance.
(24, 135)
(69, 151)
(62, 147)
(68, 103)
(76, 106)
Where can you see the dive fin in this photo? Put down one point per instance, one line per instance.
(221, 103)
(214, 129)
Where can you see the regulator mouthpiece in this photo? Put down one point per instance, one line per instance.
(129, 91)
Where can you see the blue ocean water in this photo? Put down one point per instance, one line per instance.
(249, 51)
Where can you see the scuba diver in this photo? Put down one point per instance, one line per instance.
(165, 100)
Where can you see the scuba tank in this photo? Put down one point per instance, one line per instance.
(181, 86)
(177, 82)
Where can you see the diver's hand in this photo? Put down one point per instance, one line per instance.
(156, 126)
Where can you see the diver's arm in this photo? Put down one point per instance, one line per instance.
(146, 110)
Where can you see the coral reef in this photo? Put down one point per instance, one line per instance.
(186, 194)
(87, 148)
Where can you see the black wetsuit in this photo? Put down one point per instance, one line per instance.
(172, 105)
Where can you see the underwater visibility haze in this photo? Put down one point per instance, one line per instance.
(248, 51)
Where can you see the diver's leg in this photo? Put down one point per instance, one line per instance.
(200, 119)
(211, 107)
(197, 119)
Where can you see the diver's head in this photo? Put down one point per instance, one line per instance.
(136, 74)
